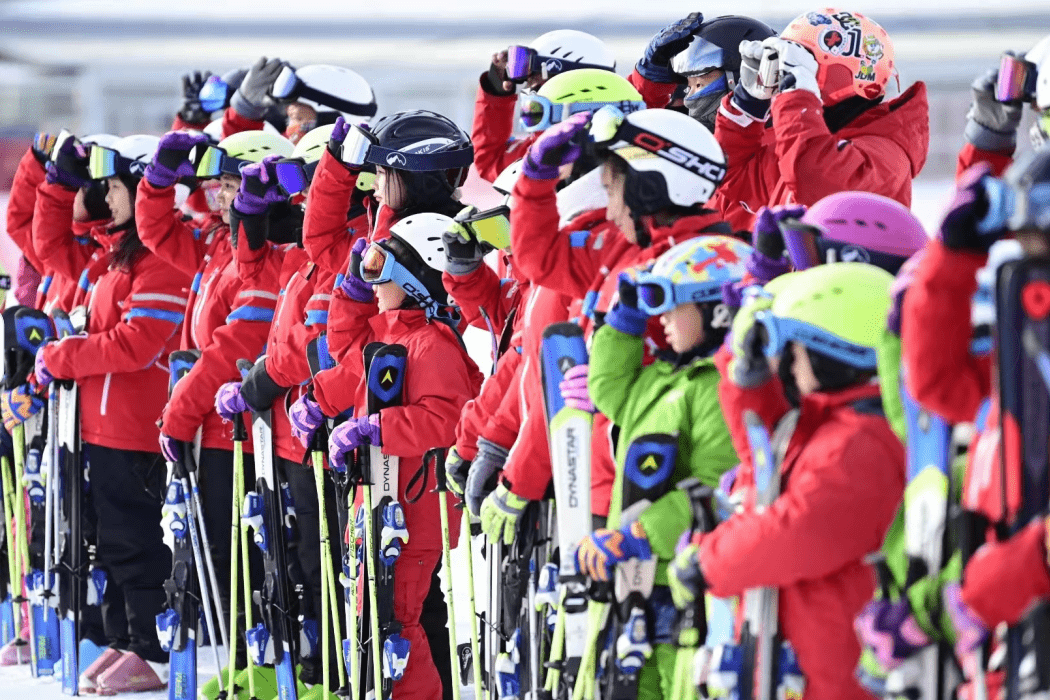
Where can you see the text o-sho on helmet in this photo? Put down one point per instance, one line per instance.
(854, 54)
(671, 163)
(430, 153)
(413, 257)
(854, 227)
(693, 272)
(715, 48)
(837, 313)
(556, 52)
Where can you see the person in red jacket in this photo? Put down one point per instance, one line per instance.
(227, 316)
(405, 272)
(954, 383)
(20, 206)
(809, 342)
(654, 202)
(824, 86)
(119, 365)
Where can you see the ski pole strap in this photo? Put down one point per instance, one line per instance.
(418, 480)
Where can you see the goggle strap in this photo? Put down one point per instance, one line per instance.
(357, 109)
(420, 162)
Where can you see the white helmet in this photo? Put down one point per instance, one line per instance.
(106, 140)
(419, 259)
(214, 129)
(423, 232)
(1040, 56)
(127, 156)
(328, 90)
(504, 183)
(565, 47)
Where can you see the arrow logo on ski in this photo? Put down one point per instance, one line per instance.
(565, 364)
(388, 378)
(649, 464)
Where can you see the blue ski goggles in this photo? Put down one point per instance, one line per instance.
(294, 174)
(536, 112)
(379, 265)
(214, 94)
(781, 331)
(658, 295)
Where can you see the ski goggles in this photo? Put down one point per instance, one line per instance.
(287, 87)
(105, 162)
(294, 175)
(361, 146)
(658, 295)
(523, 62)
(213, 94)
(536, 112)
(781, 331)
(379, 265)
(490, 226)
(211, 161)
(609, 128)
(1017, 79)
(808, 247)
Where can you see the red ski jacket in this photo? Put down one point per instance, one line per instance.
(971, 155)
(495, 117)
(300, 316)
(327, 234)
(121, 364)
(22, 203)
(800, 161)
(484, 298)
(234, 123)
(64, 247)
(842, 480)
(228, 317)
(439, 379)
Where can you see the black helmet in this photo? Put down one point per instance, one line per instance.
(716, 46)
(421, 141)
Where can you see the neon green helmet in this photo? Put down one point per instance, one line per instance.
(581, 90)
(311, 146)
(838, 310)
(234, 151)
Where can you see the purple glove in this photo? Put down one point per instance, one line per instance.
(339, 130)
(259, 188)
(768, 239)
(905, 276)
(970, 632)
(170, 448)
(229, 402)
(573, 389)
(172, 160)
(349, 436)
(727, 481)
(557, 146)
(43, 374)
(352, 285)
(306, 417)
(958, 230)
(70, 166)
(890, 631)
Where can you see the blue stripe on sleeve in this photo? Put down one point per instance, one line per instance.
(578, 239)
(315, 317)
(159, 314)
(251, 313)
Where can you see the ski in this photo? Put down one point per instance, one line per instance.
(274, 638)
(569, 431)
(1022, 310)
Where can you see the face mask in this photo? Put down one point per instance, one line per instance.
(297, 130)
(703, 105)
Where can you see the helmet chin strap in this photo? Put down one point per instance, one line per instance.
(641, 231)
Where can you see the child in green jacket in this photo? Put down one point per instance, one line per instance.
(670, 426)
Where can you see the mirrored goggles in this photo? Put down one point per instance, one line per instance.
(807, 247)
(287, 87)
(213, 94)
(657, 295)
(1016, 81)
(105, 162)
(377, 264)
(537, 113)
(491, 226)
(294, 174)
(781, 331)
(524, 62)
(212, 161)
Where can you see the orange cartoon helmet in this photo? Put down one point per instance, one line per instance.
(854, 54)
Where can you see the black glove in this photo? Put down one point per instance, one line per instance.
(259, 390)
(655, 64)
(192, 112)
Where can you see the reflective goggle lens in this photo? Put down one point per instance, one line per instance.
(519, 63)
(1016, 79)
(652, 298)
(213, 94)
(285, 84)
(372, 264)
(535, 112)
(355, 146)
(605, 123)
(102, 163)
(491, 226)
(292, 175)
(209, 161)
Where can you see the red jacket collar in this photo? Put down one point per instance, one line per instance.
(682, 229)
(825, 402)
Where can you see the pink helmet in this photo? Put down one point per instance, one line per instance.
(854, 54)
(866, 227)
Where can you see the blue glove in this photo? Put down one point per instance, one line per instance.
(19, 405)
(351, 435)
(655, 64)
(625, 316)
(603, 549)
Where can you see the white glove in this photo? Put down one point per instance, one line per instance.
(798, 67)
(750, 59)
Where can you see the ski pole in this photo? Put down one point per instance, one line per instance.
(13, 575)
(441, 489)
(238, 488)
(329, 604)
(239, 436)
(18, 436)
(370, 566)
(474, 651)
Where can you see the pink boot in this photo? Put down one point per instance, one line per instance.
(15, 652)
(89, 678)
(132, 674)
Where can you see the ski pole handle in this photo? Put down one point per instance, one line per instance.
(438, 455)
(240, 431)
